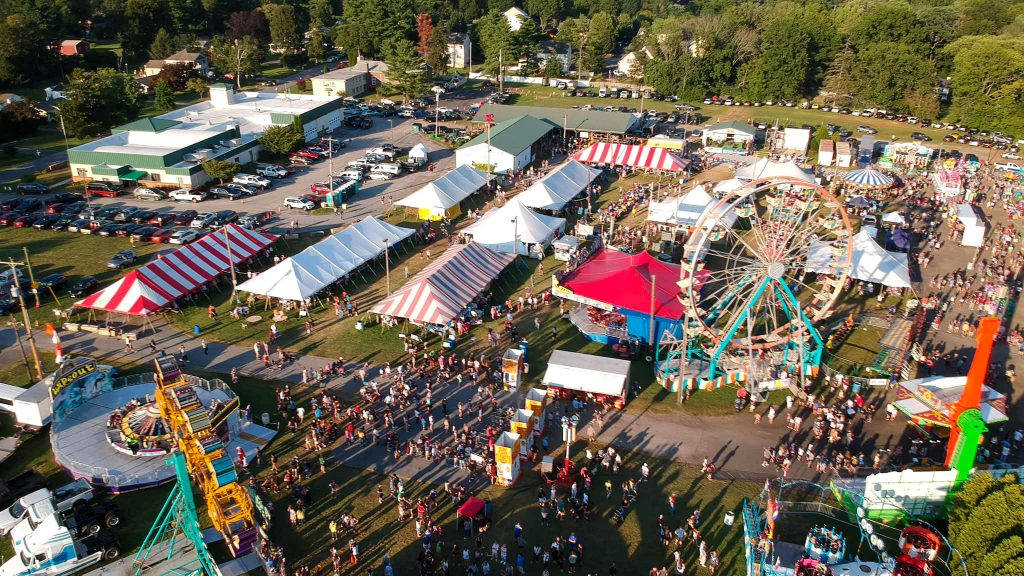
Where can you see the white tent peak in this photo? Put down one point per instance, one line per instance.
(448, 190)
(558, 187)
(500, 227)
(767, 168)
(871, 262)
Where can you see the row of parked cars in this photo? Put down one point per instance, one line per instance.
(241, 186)
(379, 163)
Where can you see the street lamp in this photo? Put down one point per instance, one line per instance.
(437, 90)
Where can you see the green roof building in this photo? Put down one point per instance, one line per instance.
(514, 144)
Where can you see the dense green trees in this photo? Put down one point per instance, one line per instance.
(99, 100)
(986, 521)
(280, 140)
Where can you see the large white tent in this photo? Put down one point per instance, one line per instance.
(442, 196)
(559, 187)
(728, 186)
(315, 268)
(871, 262)
(974, 227)
(513, 222)
(682, 210)
(765, 168)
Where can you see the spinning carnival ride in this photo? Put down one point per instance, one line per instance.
(751, 308)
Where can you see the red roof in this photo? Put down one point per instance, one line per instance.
(635, 155)
(471, 507)
(162, 281)
(624, 281)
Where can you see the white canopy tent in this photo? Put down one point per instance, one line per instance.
(310, 271)
(587, 373)
(685, 211)
(765, 168)
(728, 186)
(444, 194)
(871, 262)
(419, 154)
(559, 187)
(894, 218)
(514, 222)
(974, 227)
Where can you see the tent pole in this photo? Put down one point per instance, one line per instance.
(654, 287)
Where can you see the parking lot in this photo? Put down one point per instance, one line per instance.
(368, 200)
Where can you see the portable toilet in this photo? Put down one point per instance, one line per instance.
(506, 458)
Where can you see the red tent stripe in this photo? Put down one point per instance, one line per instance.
(160, 271)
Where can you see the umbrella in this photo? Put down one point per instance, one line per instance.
(900, 239)
(868, 178)
(859, 202)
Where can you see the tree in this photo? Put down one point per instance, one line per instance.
(316, 47)
(547, 11)
(164, 96)
(405, 70)
(785, 63)
(986, 520)
(162, 46)
(248, 23)
(280, 140)
(18, 119)
(177, 75)
(187, 16)
(197, 86)
(553, 67)
(892, 21)
(241, 56)
(284, 28)
(923, 102)
(21, 43)
(424, 34)
(988, 82)
(600, 41)
(437, 52)
(321, 10)
(99, 100)
(840, 84)
(977, 17)
(373, 25)
(495, 40)
(220, 170)
(141, 17)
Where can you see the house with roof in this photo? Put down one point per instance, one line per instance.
(624, 67)
(168, 150)
(8, 98)
(514, 144)
(515, 17)
(551, 49)
(460, 50)
(348, 81)
(198, 60)
(576, 122)
(730, 137)
(73, 47)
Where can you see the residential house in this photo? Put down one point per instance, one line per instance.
(625, 65)
(196, 59)
(551, 49)
(460, 50)
(73, 47)
(515, 17)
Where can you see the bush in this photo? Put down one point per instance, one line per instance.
(293, 59)
(10, 150)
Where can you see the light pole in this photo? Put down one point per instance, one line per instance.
(515, 236)
(437, 90)
(387, 268)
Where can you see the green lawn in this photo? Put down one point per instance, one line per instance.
(858, 351)
(49, 137)
(13, 160)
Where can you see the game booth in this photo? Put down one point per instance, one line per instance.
(624, 297)
(474, 514)
(537, 400)
(572, 374)
(927, 401)
(948, 182)
(507, 452)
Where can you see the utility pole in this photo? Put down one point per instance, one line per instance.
(16, 289)
(501, 71)
(330, 162)
(565, 120)
(515, 237)
(387, 268)
(31, 278)
(231, 261)
(24, 355)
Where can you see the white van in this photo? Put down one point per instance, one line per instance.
(387, 168)
(602, 92)
(351, 175)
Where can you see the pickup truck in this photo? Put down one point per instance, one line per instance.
(251, 180)
(48, 548)
(271, 171)
(62, 499)
(1008, 166)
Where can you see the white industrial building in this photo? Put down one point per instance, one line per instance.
(460, 50)
(168, 150)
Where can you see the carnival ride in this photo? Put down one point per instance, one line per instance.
(753, 312)
(200, 434)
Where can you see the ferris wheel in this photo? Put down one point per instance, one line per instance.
(765, 264)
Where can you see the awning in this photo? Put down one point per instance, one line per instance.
(133, 176)
(472, 507)
(160, 282)
(635, 156)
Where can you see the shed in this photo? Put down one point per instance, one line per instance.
(419, 154)
(589, 374)
(845, 154)
(31, 406)
(826, 152)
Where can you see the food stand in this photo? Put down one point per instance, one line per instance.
(572, 374)
(513, 367)
(524, 423)
(537, 400)
(566, 247)
(507, 449)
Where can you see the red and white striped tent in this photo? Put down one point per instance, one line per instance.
(633, 155)
(160, 282)
(439, 292)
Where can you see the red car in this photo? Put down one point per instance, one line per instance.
(320, 188)
(163, 234)
(307, 154)
(26, 220)
(55, 207)
(163, 219)
(8, 218)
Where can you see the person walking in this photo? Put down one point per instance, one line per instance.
(202, 343)
(128, 347)
(256, 350)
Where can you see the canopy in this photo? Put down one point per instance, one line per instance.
(974, 227)
(765, 168)
(418, 151)
(447, 191)
(559, 187)
(472, 507)
(587, 373)
(894, 218)
(633, 155)
(868, 178)
(900, 239)
(160, 282)
(682, 210)
(728, 186)
(871, 262)
(440, 291)
(859, 202)
(514, 223)
(625, 281)
(318, 266)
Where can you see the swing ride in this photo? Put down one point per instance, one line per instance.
(751, 307)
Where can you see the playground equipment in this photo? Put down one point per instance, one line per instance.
(751, 306)
(199, 436)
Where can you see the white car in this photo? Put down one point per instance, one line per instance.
(186, 195)
(271, 171)
(185, 236)
(297, 202)
(380, 176)
(1011, 156)
(1008, 166)
(251, 180)
(202, 220)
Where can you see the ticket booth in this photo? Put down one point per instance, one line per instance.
(506, 458)
(513, 367)
(537, 401)
(523, 423)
